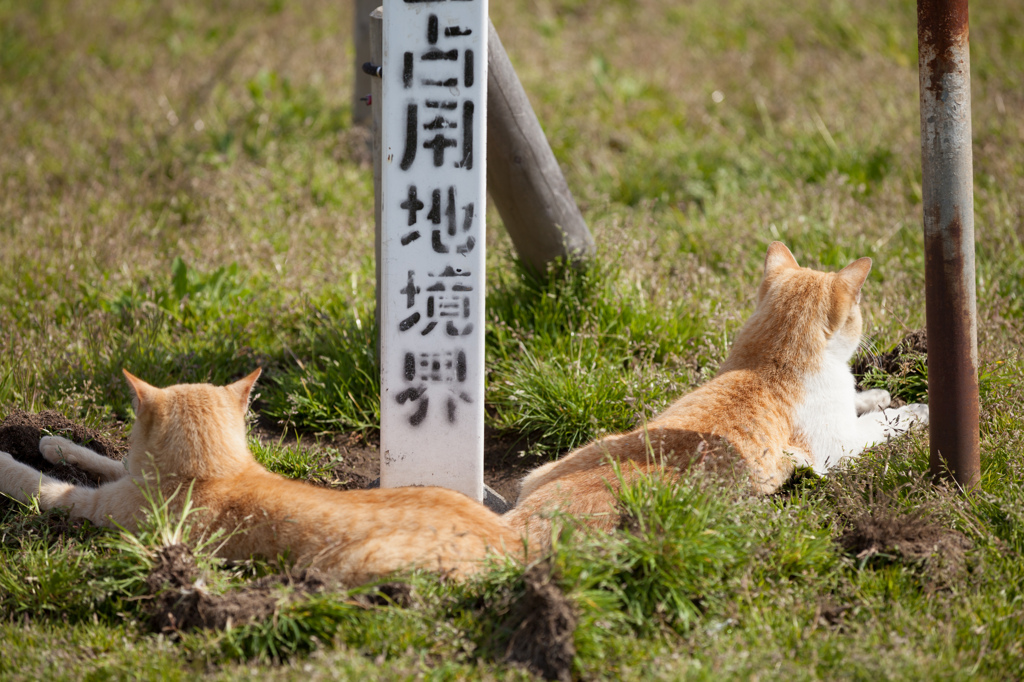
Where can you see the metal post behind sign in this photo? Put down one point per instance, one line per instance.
(948, 196)
(432, 243)
(361, 83)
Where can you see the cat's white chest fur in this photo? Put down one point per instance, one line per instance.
(827, 417)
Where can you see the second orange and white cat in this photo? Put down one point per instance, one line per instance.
(194, 434)
(784, 397)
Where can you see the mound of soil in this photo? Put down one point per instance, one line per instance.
(897, 361)
(882, 529)
(542, 622)
(181, 603)
(829, 613)
(20, 433)
(912, 536)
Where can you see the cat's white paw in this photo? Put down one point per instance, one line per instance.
(918, 412)
(55, 450)
(898, 421)
(872, 400)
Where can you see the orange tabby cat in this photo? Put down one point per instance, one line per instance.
(195, 434)
(784, 397)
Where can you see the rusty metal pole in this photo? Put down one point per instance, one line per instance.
(948, 193)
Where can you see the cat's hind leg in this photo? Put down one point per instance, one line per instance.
(119, 500)
(22, 482)
(56, 449)
(872, 400)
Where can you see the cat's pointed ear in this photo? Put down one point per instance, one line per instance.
(142, 393)
(846, 293)
(855, 274)
(778, 258)
(243, 387)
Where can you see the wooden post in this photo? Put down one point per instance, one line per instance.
(494, 501)
(432, 264)
(361, 84)
(523, 177)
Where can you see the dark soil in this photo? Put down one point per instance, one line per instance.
(897, 361)
(913, 536)
(20, 433)
(505, 465)
(830, 614)
(542, 622)
(357, 463)
(181, 604)
(390, 594)
(880, 529)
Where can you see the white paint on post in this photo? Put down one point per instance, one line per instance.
(432, 243)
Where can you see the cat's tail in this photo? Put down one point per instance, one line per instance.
(534, 530)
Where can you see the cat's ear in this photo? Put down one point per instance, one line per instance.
(846, 292)
(243, 387)
(855, 274)
(779, 257)
(142, 393)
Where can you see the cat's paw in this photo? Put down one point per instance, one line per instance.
(872, 400)
(57, 450)
(918, 412)
(900, 420)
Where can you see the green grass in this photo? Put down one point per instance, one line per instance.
(182, 194)
(577, 353)
(703, 568)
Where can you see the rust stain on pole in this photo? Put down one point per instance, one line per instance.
(948, 195)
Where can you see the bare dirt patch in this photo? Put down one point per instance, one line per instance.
(542, 622)
(20, 433)
(181, 603)
(900, 361)
(403, 595)
(879, 528)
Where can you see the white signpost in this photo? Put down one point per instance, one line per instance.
(432, 243)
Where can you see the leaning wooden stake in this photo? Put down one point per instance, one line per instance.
(523, 177)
